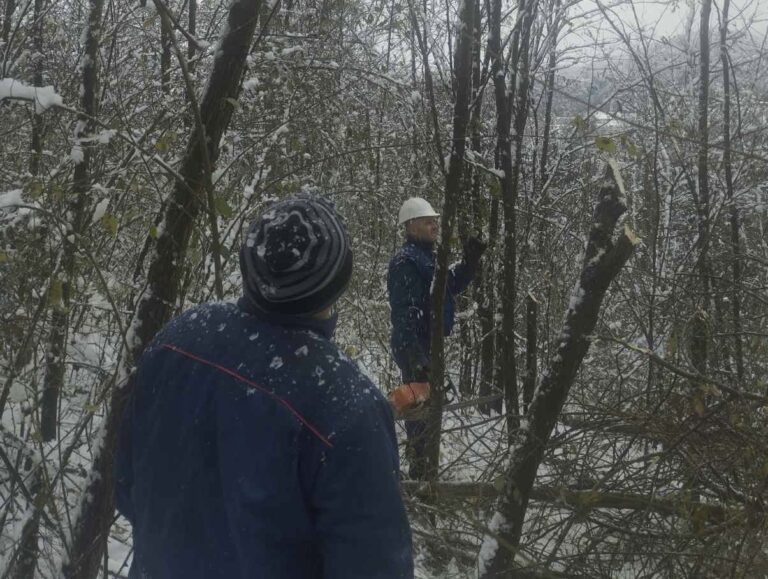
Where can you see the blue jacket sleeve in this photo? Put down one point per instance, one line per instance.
(459, 277)
(407, 294)
(360, 518)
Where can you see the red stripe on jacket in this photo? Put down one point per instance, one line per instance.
(255, 386)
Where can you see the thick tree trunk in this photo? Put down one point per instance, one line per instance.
(159, 299)
(10, 8)
(489, 381)
(37, 80)
(704, 226)
(735, 220)
(23, 564)
(55, 354)
(549, 88)
(504, 164)
(606, 253)
(420, 35)
(453, 182)
(76, 209)
(505, 95)
(531, 349)
(192, 29)
(510, 196)
(474, 218)
(56, 350)
(165, 55)
(483, 215)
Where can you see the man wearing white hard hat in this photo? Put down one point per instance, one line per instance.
(409, 282)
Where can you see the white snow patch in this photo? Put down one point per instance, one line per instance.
(19, 392)
(597, 257)
(76, 154)
(44, 97)
(617, 175)
(576, 297)
(291, 50)
(490, 544)
(11, 199)
(277, 362)
(105, 136)
(100, 210)
(303, 351)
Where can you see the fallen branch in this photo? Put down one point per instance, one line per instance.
(420, 413)
(675, 505)
(606, 253)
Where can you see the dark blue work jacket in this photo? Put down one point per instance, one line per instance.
(409, 282)
(256, 450)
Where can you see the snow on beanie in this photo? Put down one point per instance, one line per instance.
(296, 258)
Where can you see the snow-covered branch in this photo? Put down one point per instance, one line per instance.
(44, 97)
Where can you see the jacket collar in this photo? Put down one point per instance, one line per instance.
(425, 246)
(325, 328)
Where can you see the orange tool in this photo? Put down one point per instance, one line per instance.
(408, 395)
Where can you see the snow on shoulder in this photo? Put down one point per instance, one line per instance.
(44, 97)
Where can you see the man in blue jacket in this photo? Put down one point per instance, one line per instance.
(252, 448)
(409, 282)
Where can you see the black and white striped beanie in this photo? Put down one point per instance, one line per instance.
(296, 258)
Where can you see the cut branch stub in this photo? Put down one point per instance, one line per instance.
(606, 253)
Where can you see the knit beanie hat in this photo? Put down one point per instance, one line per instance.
(296, 258)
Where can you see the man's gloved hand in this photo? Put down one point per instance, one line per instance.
(417, 367)
(473, 251)
(421, 373)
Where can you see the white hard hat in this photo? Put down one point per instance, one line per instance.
(414, 208)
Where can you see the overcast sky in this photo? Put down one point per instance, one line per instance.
(665, 17)
(658, 19)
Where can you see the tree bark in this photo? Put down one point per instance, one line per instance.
(489, 379)
(192, 29)
(604, 258)
(159, 299)
(165, 55)
(81, 185)
(510, 196)
(24, 561)
(531, 349)
(56, 351)
(472, 217)
(453, 182)
(504, 161)
(735, 219)
(10, 8)
(37, 80)
(704, 267)
(549, 87)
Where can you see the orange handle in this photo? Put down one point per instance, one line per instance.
(408, 395)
